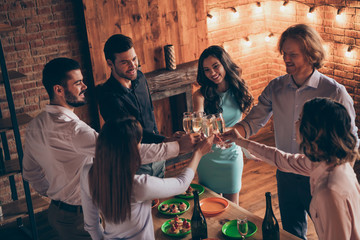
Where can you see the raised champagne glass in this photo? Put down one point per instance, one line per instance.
(197, 120)
(208, 125)
(187, 121)
(220, 128)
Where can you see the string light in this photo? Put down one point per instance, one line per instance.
(312, 8)
(235, 12)
(310, 14)
(348, 52)
(283, 6)
(259, 7)
(268, 37)
(339, 15)
(247, 41)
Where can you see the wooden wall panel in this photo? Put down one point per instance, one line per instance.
(151, 24)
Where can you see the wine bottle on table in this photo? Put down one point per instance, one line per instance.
(270, 226)
(198, 222)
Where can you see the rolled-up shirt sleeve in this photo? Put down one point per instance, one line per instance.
(158, 152)
(35, 175)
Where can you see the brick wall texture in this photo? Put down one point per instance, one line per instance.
(53, 28)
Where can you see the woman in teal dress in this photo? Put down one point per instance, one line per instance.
(221, 91)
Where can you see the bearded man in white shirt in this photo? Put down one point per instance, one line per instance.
(58, 144)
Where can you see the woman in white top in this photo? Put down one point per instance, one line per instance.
(110, 186)
(330, 150)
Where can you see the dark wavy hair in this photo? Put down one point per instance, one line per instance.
(116, 161)
(310, 43)
(237, 85)
(325, 131)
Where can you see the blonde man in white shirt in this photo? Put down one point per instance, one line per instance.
(58, 144)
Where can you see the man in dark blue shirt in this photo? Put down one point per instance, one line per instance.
(126, 92)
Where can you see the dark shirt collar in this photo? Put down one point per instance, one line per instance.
(115, 84)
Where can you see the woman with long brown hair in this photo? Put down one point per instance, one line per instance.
(110, 186)
(222, 90)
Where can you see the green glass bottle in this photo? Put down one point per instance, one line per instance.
(270, 226)
(198, 222)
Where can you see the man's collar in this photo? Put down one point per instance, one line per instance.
(56, 109)
(116, 84)
(312, 82)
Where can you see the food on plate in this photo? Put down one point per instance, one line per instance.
(179, 226)
(164, 207)
(189, 191)
(154, 202)
(173, 208)
(182, 206)
(176, 220)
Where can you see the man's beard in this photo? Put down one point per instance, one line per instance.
(72, 100)
(123, 75)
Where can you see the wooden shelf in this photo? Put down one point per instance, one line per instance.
(6, 28)
(12, 167)
(5, 123)
(18, 208)
(12, 75)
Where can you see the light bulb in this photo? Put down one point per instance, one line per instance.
(310, 14)
(340, 14)
(268, 37)
(283, 6)
(247, 41)
(348, 52)
(259, 7)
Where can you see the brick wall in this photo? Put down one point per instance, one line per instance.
(46, 29)
(261, 62)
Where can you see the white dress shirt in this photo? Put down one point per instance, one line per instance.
(58, 144)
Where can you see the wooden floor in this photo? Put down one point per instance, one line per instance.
(257, 179)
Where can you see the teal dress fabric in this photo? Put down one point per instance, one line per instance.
(221, 170)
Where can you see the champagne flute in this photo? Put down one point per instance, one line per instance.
(220, 128)
(187, 121)
(242, 226)
(197, 121)
(208, 125)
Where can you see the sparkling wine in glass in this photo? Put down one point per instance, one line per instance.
(220, 128)
(242, 226)
(187, 121)
(220, 122)
(208, 125)
(197, 120)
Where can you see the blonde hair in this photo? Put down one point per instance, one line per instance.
(309, 40)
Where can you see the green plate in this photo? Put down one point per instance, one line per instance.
(229, 229)
(174, 201)
(197, 187)
(166, 225)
